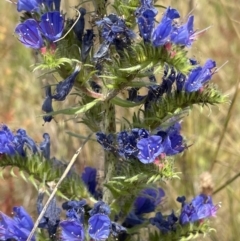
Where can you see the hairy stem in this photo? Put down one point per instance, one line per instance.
(109, 126)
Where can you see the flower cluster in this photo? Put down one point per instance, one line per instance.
(62, 89)
(167, 30)
(16, 144)
(139, 143)
(32, 32)
(36, 5)
(72, 228)
(99, 224)
(201, 207)
(113, 28)
(100, 75)
(18, 227)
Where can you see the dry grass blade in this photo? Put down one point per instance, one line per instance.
(56, 188)
(229, 114)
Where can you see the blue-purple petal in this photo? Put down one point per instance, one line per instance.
(29, 34)
(52, 25)
(99, 227)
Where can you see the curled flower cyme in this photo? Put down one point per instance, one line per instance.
(6, 141)
(165, 224)
(106, 141)
(100, 207)
(75, 210)
(113, 27)
(145, 17)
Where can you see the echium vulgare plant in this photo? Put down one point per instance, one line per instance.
(123, 49)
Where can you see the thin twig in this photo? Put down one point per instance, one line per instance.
(226, 183)
(56, 188)
(79, 15)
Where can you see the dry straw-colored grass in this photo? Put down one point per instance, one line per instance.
(21, 98)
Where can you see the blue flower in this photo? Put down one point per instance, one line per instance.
(17, 228)
(145, 19)
(72, 230)
(52, 24)
(27, 5)
(75, 210)
(27, 140)
(64, 87)
(183, 35)
(172, 139)
(148, 200)
(181, 78)
(45, 146)
(99, 226)
(146, 5)
(199, 208)
(89, 177)
(22, 218)
(106, 141)
(51, 218)
(113, 27)
(127, 142)
(47, 104)
(164, 224)
(161, 33)
(199, 76)
(6, 141)
(100, 207)
(149, 149)
(29, 34)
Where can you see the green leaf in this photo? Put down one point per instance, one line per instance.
(12, 172)
(125, 103)
(23, 176)
(75, 110)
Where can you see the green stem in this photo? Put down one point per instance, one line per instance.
(109, 126)
(226, 183)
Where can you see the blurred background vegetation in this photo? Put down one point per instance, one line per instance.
(214, 133)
